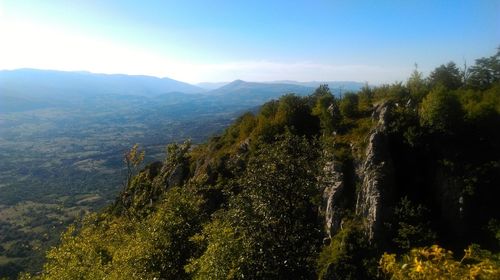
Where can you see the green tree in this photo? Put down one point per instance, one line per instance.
(270, 229)
(485, 72)
(326, 109)
(295, 114)
(440, 110)
(481, 107)
(398, 92)
(446, 75)
(132, 159)
(349, 105)
(366, 96)
(417, 85)
(322, 90)
(348, 256)
(108, 247)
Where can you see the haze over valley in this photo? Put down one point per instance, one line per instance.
(63, 135)
(249, 140)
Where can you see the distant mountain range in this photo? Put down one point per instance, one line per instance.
(28, 89)
(62, 135)
(41, 81)
(211, 86)
(249, 89)
(334, 85)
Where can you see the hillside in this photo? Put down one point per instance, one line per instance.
(63, 134)
(375, 185)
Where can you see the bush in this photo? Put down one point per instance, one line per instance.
(348, 256)
(437, 263)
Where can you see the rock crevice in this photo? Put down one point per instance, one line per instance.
(374, 178)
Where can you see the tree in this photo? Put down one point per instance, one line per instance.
(270, 229)
(326, 109)
(295, 114)
(481, 107)
(446, 75)
(398, 92)
(440, 110)
(132, 159)
(485, 72)
(322, 90)
(365, 96)
(348, 256)
(291, 113)
(416, 84)
(349, 105)
(108, 247)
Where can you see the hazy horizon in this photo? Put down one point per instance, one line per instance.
(196, 83)
(222, 41)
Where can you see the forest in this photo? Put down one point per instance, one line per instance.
(399, 181)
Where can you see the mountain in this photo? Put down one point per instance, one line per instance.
(252, 89)
(211, 86)
(311, 187)
(62, 137)
(28, 89)
(335, 86)
(302, 187)
(51, 82)
(269, 90)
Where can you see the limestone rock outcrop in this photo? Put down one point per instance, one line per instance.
(376, 175)
(333, 197)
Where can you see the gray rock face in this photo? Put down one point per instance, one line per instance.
(376, 175)
(332, 197)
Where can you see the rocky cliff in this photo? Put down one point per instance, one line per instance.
(374, 178)
(333, 197)
(376, 175)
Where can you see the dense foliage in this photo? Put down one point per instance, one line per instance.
(437, 263)
(249, 203)
(270, 228)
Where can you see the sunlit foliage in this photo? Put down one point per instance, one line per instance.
(438, 263)
(248, 204)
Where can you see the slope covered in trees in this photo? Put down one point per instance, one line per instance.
(370, 185)
(62, 135)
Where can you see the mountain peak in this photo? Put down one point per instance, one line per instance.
(237, 82)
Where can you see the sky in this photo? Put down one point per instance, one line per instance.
(213, 41)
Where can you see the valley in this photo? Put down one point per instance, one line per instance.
(62, 144)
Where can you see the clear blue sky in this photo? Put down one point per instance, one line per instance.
(194, 41)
